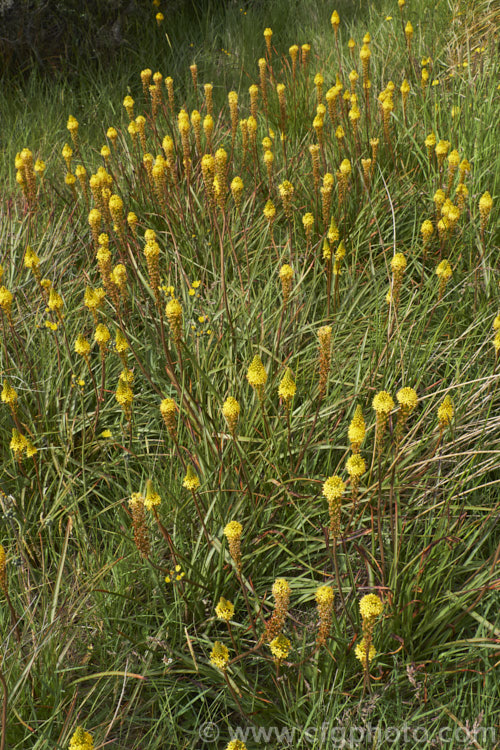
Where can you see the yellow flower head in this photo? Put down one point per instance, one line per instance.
(286, 273)
(360, 650)
(219, 656)
(280, 647)
(55, 300)
(335, 20)
(426, 230)
(442, 148)
(286, 189)
(370, 606)
(333, 488)
(9, 395)
(308, 221)
(233, 530)
(231, 411)
(446, 411)
(82, 346)
(383, 403)
(191, 480)
(443, 270)
(257, 375)
(287, 387)
(325, 596)
(72, 124)
(485, 204)
(224, 609)
(355, 466)
(152, 499)
(430, 141)
(168, 407)
(398, 263)
(407, 399)
(345, 168)
(236, 745)
(102, 334)
(81, 740)
(31, 259)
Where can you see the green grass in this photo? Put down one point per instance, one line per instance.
(93, 634)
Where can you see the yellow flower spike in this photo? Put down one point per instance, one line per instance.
(269, 211)
(314, 150)
(237, 190)
(441, 149)
(9, 396)
(102, 336)
(361, 649)
(496, 342)
(444, 273)
(268, 33)
(280, 647)
(231, 412)
(168, 409)
(445, 412)
(191, 480)
(325, 339)
(31, 261)
(485, 206)
(128, 103)
(281, 593)
(308, 223)
(82, 346)
(355, 467)
(152, 499)
(408, 32)
(72, 126)
(324, 602)
(81, 740)
(426, 230)
(146, 79)
(407, 399)
(40, 168)
(287, 388)
(173, 312)
(306, 51)
(382, 404)
(333, 489)
(257, 376)
(370, 607)
(219, 656)
(286, 277)
(232, 532)
(294, 52)
(224, 609)
(235, 745)
(335, 21)
(55, 303)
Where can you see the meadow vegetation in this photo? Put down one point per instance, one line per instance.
(249, 416)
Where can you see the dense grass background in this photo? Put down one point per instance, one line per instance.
(96, 636)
